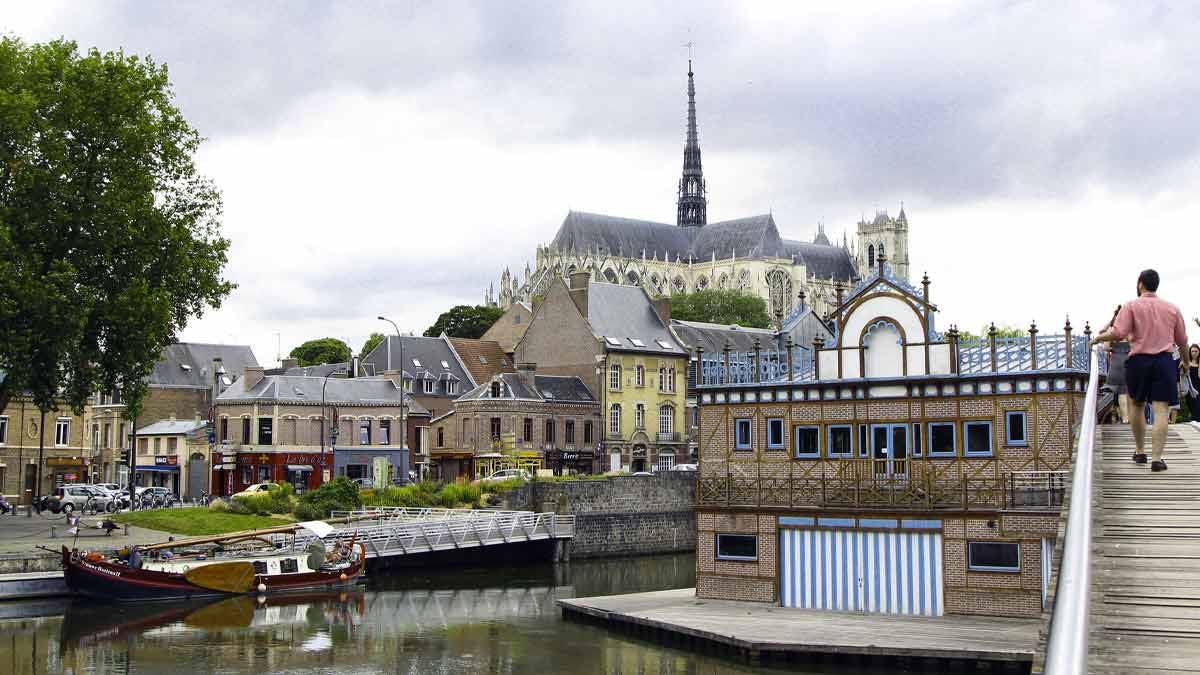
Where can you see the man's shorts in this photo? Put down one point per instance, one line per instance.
(1152, 377)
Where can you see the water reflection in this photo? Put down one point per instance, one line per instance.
(404, 621)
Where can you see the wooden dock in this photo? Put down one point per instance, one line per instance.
(760, 630)
(1145, 605)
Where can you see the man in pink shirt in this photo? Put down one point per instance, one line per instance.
(1154, 327)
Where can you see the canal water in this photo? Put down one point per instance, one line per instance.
(402, 621)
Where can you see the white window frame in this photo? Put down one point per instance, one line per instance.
(62, 432)
(614, 377)
(829, 441)
(776, 422)
(451, 386)
(427, 387)
(929, 439)
(662, 378)
(639, 416)
(738, 424)
(816, 453)
(967, 451)
(639, 375)
(1008, 427)
(614, 418)
(666, 419)
(3, 429)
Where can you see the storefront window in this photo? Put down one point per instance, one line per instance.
(264, 473)
(385, 432)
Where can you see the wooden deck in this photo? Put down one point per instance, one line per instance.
(1145, 614)
(761, 629)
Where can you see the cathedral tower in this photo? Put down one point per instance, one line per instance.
(693, 205)
(883, 236)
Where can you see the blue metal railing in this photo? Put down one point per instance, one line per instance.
(771, 366)
(1067, 645)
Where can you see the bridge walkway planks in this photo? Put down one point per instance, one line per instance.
(1145, 601)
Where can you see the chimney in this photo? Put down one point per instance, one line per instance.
(354, 368)
(218, 373)
(662, 307)
(253, 375)
(526, 372)
(579, 290)
(289, 363)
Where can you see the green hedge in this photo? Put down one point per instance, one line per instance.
(424, 495)
(277, 499)
(339, 494)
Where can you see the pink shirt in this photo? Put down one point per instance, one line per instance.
(1152, 325)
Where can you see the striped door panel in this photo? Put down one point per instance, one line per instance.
(851, 571)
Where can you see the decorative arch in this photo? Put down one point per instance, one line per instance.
(779, 290)
(632, 278)
(871, 255)
(723, 281)
(882, 352)
(743, 282)
(610, 275)
(702, 283)
(678, 285)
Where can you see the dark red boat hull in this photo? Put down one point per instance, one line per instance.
(103, 580)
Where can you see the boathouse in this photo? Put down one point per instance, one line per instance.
(895, 469)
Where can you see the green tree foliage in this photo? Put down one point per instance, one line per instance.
(465, 321)
(371, 343)
(339, 494)
(321, 350)
(1002, 331)
(721, 306)
(109, 238)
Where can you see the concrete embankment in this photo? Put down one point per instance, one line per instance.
(619, 515)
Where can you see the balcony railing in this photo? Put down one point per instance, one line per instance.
(896, 484)
(668, 437)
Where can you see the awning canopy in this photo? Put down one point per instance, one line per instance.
(163, 468)
(299, 467)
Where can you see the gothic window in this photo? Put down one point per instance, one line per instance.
(871, 256)
(655, 284)
(702, 283)
(723, 281)
(610, 275)
(744, 280)
(632, 278)
(679, 285)
(779, 286)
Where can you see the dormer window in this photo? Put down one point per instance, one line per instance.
(495, 390)
(612, 341)
(416, 362)
(446, 365)
(428, 386)
(451, 387)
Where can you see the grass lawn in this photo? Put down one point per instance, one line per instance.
(197, 521)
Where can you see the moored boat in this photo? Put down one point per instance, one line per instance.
(232, 564)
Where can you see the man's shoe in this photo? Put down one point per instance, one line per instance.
(1158, 465)
(1139, 458)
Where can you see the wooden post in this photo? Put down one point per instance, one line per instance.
(790, 360)
(1087, 333)
(699, 366)
(1033, 331)
(1067, 338)
(818, 342)
(953, 335)
(992, 343)
(728, 375)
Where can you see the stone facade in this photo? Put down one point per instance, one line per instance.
(67, 454)
(619, 515)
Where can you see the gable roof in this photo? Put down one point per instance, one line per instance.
(546, 388)
(712, 337)
(188, 364)
(429, 352)
(822, 260)
(625, 313)
(482, 358)
(299, 389)
(171, 427)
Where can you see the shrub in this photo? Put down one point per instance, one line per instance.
(459, 493)
(339, 494)
(258, 504)
(219, 505)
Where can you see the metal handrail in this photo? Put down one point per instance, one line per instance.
(1067, 645)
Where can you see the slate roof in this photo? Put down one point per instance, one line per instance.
(711, 337)
(823, 261)
(187, 364)
(625, 313)
(171, 427)
(753, 237)
(429, 352)
(298, 389)
(483, 358)
(548, 388)
(317, 370)
(582, 231)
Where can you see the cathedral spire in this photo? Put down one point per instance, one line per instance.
(692, 203)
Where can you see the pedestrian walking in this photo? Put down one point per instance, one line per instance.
(1191, 382)
(1154, 327)
(1118, 353)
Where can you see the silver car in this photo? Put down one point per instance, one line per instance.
(73, 498)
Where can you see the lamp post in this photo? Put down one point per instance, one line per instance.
(403, 403)
(333, 431)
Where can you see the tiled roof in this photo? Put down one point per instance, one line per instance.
(823, 261)
(621, 314)
(712, 337)
(548, 388)
(423, 357)
(483, 358)
(171, 427)
(188, 364)
(298, 389)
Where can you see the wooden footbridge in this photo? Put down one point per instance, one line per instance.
(1127, 593)
(395, 532)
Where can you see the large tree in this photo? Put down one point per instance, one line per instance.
(321, 350)
(371, 343)
(109, 238)
(465, 321)
(721, 306)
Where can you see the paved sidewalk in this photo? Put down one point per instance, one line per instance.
(21, 534)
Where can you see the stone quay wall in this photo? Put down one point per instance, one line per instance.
(620, 515)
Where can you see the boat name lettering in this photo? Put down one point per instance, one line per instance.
(101, 569)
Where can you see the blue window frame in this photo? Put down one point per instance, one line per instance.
(942, 439)
(807, 441)
(863, 446)
(743, 435)
(916, 439)
(1015, 430)
(776, 438)
(840, 438)
(977, 439)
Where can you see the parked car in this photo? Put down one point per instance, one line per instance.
(73, 498)
(363, 482)
(641, 473)
(256, 489)
(684, 467)
(506, 474)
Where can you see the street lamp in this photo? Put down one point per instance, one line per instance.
(403, 403)
(332, 431)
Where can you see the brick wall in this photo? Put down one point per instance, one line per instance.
(184, 404)
(754, 580)
(996, 593)
(620, 515)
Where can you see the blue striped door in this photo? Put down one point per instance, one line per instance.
(852, 571)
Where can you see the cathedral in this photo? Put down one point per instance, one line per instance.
(746, 254)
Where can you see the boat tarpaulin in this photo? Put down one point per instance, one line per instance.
(319, 528)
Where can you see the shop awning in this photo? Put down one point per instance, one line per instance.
(299, 467)
(163, 468)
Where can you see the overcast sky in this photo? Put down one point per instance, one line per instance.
(392, 158)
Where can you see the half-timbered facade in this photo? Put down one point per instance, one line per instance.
(900, 470)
